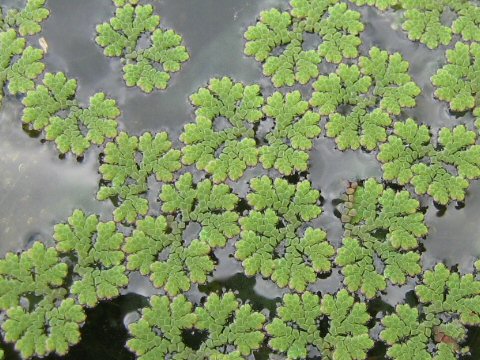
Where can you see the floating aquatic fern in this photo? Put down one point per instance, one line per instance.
(128, 163)
(279, 210)
(378, 87)
(28, 19)
(458, 81)
(295, 126)
(450, 303)
(158, 333)
(19, 65)
(441, 170)
(337, 26)
(121, 37)
(297, 326)
(96, 248)
(53, 107)
(50, 323)
(229, 151)
(381, 224)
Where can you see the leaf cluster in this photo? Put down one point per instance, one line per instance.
(381, 224)
(223, 151)
(297, 326)
(122, 37)
(440, 167)
(449, 302)
(52, 106)
(277, 40)
(279, 210)
(127, 164)
(158, 333)
(360, 99)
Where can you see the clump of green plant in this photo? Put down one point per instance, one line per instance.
(458, 81)
(20, 64)
(40, 316)
(427, 21)
(438, 328)
(227, 152)
(372, 91)
(158, 333)
(440, 167)
(334, 23)
(96, 250)
(295, 127)
(128, 163)
(279, 210)
(298, 323)
(52, 106)
(380, 224)
(122, 37)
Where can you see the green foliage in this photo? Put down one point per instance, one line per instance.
(297, 326)
(211, 206)
(50, 324)
(28, 19)
(449, 304)
(279, 209)
(457, 82)
(372, 90)
(381, 224)
(229, 151)
(159, 330)
(53, 107)
(178, 266)
(128, 163)
(441, 170)
(19, 65)
(283, 33)
(380, 4)
(158, 333)
(295, 127)
(96, 248)
(121, 38)
(229, 324)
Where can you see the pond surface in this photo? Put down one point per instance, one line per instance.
(38, 189)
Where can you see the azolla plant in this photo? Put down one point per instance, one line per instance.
(239, 184)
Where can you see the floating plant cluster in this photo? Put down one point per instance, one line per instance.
(271, 229)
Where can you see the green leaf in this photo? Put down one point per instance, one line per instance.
(467, 23)
(344, 87)
(229, 324)
(296, 325)
(348, 336)
(229, 151)
(37, 271)
(127, 165)
(408, 144)
(294, 65)
(382, 224)
(48, 328)
(96, 247)
(29, 18)
(295, 127)
(359, 128)
(380, 4)
(423, 22)
(148, 68)
(158, 333)
(392, 83)
(19, 66)
(340, 33)
(271, 31)
(457, 81)
(211, 206)
(310, 12)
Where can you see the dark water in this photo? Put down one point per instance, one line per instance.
(38, 189)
